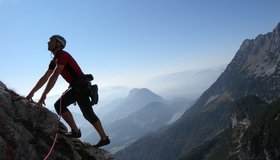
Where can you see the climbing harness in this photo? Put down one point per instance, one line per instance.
(83, 85)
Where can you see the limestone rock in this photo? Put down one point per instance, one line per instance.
(28, 132)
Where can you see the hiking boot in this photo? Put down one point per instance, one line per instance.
(102, 143)
(73, 134)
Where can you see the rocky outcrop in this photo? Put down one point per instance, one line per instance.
(28, 132)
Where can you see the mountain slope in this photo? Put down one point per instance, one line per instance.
(254, 70)
(149, 118)
(254, 133)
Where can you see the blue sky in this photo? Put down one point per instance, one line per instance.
(127, 42)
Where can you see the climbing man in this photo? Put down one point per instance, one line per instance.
(65, 65)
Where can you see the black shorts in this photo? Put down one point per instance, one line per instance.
(71, 96)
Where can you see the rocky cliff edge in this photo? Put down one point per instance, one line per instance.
(28, 132)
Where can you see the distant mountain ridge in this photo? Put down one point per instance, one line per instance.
(140, 112)
(253, 71)
(136, 99)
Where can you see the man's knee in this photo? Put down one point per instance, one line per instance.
(60, 108)
(92, 118)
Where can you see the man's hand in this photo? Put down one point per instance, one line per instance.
(39, 84)
(41, 102)
(29, 97)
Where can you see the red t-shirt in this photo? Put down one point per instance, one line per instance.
(71, 68)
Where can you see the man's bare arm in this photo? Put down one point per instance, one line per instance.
(39, 84)
(51, 83)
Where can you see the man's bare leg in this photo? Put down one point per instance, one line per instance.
(100, 130)
(67, 116)
(104, 138)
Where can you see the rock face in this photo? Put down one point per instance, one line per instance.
(28, 132)
(253, 134)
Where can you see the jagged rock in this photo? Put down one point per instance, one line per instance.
(28, 132)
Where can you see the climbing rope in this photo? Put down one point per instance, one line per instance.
(54, 141)
(10, 151)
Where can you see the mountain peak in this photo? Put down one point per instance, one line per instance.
(140, 91)
(277, 28)
(135, 90)
(259, 57)
(144, 94)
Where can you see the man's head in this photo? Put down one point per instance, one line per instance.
(56, 41)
